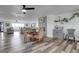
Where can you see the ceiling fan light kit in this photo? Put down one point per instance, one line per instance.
(24, 9)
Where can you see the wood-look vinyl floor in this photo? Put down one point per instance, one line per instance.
(14, 43)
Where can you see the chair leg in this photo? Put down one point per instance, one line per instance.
(24, 39)
(39, 40)
(74, 39)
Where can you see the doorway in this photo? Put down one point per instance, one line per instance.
(1, 26)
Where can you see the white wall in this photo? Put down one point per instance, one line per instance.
(71, 24)
(50, 24)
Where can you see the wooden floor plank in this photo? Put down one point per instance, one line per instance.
(74, 51)
(77, 45)
(38, 46)
(58, 48)
(45, 47)
(68, 49)
(54, 49)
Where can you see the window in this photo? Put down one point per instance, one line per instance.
(17, 25)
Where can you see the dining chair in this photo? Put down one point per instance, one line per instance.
(27, 36)
(70, 35)
(40, 35)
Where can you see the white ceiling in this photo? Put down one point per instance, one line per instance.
(9, 11)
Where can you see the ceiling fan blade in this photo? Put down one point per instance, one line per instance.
(29, 8)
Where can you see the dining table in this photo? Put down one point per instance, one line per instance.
(32, 34)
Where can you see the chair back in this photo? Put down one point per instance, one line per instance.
(71, 32)
(41, 34)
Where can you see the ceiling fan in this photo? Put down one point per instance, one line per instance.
(24, 9)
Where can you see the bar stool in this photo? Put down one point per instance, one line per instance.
(70, 35)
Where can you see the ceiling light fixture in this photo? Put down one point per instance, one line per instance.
(24, 11)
